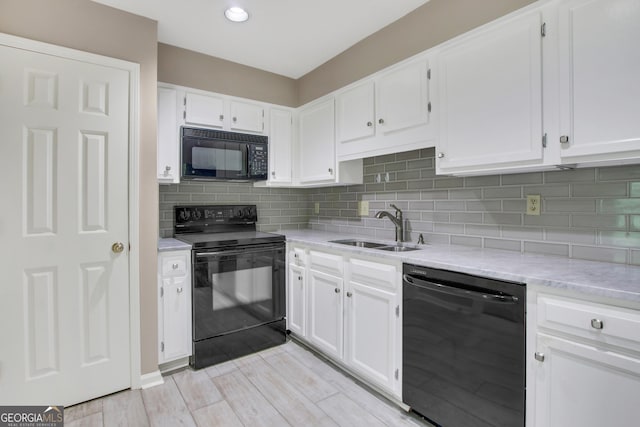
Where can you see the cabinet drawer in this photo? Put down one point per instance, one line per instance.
(614, 325)
(175, 265)
(374, 274)
(326, 262)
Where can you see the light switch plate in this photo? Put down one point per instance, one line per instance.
(363, 208)
(316, 208)
(533, 204)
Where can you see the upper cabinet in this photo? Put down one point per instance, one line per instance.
(490, 98)
(599, 65)
(387, 113)
(280, 145)
(247, 117)
(204, 110)
(317, 142)
(168, 139)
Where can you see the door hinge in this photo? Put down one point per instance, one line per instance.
(397, 311)
(162, 346)
(429, 74)
(161, 291)
(543, 29)
(544, 140)
(429, 106)
(184, 114)
(397, 374)
(184, 101)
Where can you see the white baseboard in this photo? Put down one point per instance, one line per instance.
(151, 379)
(174, 365)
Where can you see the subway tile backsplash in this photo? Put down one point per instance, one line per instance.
(590, 213)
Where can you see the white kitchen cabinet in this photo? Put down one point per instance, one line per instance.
(174, 307)
(490, 98)
(324, 302)
(206, 110)
(317, 142)
(280, 146)
(598, 81)
(246, 117)
(296, 292)
(585, 363)
(387, 113)
(168, 136)
(373, 326)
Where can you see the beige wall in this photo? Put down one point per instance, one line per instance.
(427, 26)
(89, 26)
(192, 69)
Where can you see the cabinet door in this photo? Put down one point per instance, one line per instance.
(297, 303)
(580, 385)
(402, 99)
(371, 337)
(176, 318)
(246, 117)
(280, 145)
(204, 110)
(317, 142)
(355, 113)
(324, 327)
(599, 69)
(490, 102)
(168, 138)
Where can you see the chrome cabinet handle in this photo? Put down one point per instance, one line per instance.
(179, 290)
(539, 356)
(597, 324)
(336, 290)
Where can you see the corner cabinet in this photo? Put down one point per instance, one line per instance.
(585, 364)
(317, 142)
(386, 114)
(174, 305)
(280, 146)
(599, 88)
(168, 138)
(490, 98)
(353, 313)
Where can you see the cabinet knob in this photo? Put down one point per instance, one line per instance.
(330, 170)
(336, 290)
(221, 117)
(175, 265)
(440, 155)
(235, 119)
(369, 124)
(381, 121)
(539, 356)
(564, 139)
(597, 324)
(349, 294)
(295, 255)
(179, 290)
(299, 277)
(273, 173)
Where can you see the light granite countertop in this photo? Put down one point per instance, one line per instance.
(170, 244)
(608, 280)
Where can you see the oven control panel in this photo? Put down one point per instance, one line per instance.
(186, 216)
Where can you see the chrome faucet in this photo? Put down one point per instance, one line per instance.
(396, 220)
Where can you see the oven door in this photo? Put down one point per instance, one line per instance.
(237, 289)
(214, 159)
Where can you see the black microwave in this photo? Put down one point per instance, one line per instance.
(209, 154)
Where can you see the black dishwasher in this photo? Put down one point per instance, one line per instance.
(463, 348)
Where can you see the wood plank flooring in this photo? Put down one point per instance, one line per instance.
(283, 386)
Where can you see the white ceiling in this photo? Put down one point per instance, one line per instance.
(287, 37)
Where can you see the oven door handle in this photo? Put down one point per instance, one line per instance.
(237, 251)
(460, 292)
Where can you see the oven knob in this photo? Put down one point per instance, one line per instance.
(184, 215)
(239, 214)
(197, 214)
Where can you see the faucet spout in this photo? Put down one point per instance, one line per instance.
(396, 220)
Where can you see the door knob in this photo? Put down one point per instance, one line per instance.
(117, 247)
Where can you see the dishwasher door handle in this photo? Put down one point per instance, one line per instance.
(460, 292)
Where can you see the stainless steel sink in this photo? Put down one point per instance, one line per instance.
(373, 245)
(359, 243)
(398, 248)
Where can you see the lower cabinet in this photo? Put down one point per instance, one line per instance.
(353, 312)
(174, 305)
(585, 368)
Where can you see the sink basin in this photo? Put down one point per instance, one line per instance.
(358, 243)
(397, 248)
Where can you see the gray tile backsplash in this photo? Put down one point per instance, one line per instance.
(591, 213)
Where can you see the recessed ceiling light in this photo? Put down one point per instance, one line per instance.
(236, 14)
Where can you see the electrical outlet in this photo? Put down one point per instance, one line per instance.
(533, 204)
(363, 208)
(316, 208)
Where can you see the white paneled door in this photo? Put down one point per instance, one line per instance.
(64, 292)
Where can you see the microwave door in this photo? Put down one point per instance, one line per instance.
(236, 161)
(204, 159)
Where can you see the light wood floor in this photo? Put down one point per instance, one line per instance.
(282, 386)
